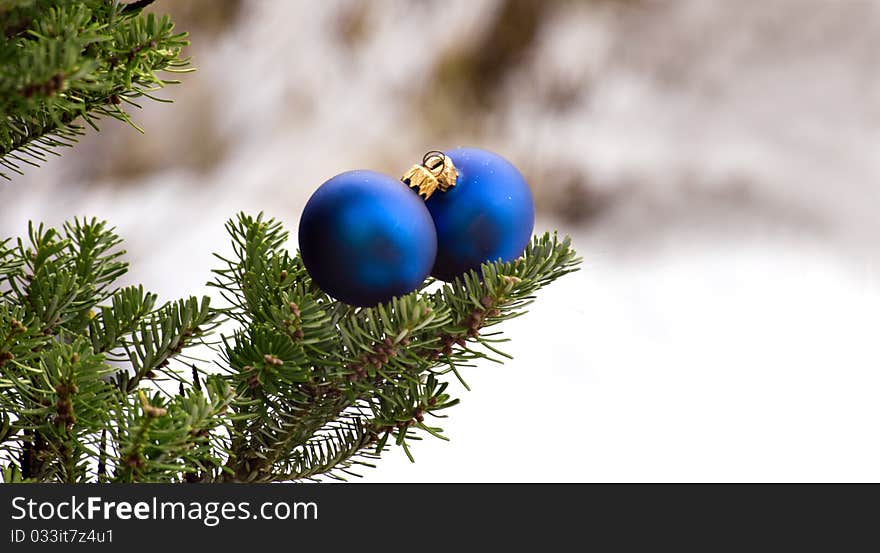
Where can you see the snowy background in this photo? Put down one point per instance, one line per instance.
(716, 163)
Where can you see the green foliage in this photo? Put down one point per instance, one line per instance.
(73, 350)
(307, 387)
(95, 385)
(65, 64)
(322, 386)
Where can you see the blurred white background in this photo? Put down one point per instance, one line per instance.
(716, 163)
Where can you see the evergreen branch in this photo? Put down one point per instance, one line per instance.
(65, 65)
(163, 336)
(63, 277)
(303, 364)
(160, 441)
(47, 286)
(327, 455)
(112, 326)
(57, 341)
(9, 266)
(57, 404)
(310, 388)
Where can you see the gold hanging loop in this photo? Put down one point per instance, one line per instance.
(436, 172)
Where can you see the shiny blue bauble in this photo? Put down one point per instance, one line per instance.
(488, 215)
(365, 238)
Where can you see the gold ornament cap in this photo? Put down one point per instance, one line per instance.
(436, 171)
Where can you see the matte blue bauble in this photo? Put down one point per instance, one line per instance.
(488, 215)
(365, 238)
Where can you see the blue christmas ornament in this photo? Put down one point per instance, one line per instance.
(481, 206)
(365, 238)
